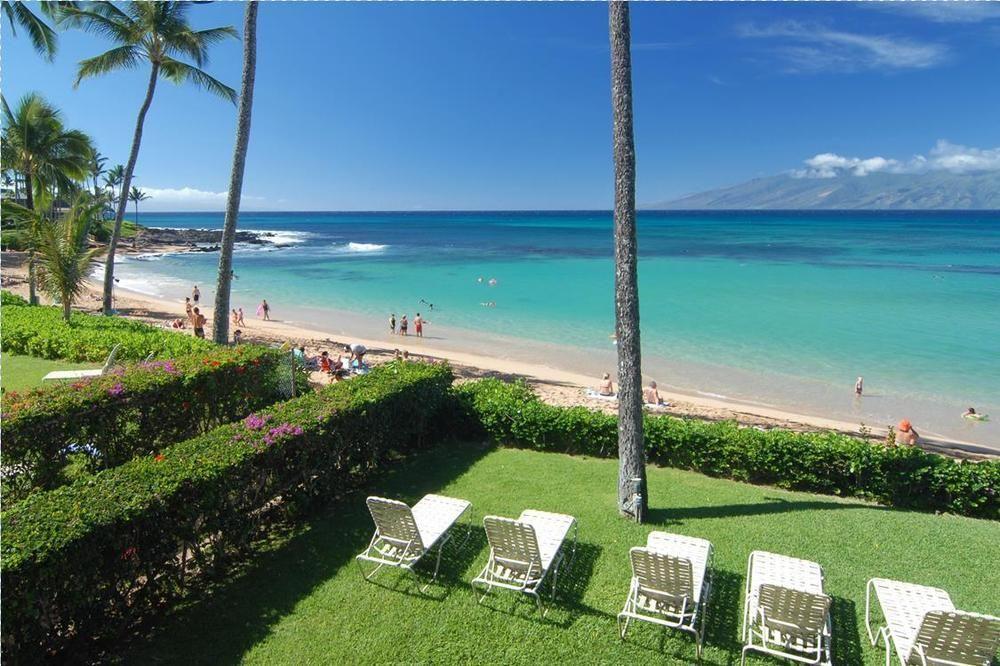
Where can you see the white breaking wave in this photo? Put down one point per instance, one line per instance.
(364, 247)
(283, 237)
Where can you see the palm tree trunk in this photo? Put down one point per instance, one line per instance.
(29, 201)
(67, 307)
(631, 455)
(220, 323)
(109, 261)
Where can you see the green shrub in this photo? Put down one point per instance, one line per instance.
(8, 298)
(135, 410)
(41, 332)
(85, 560)
(818, 462)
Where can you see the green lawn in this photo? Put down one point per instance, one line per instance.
(304, 601)
(23, 372)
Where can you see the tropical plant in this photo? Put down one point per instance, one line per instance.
(42, 36)
(136, 195)
(64, 260)
(49, 156)
(632, 495)
(153, 32)
(113, 179)
(97, 162)
(220, 331)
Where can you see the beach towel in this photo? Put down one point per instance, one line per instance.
(591, 393)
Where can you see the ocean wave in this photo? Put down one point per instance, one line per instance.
(362, 247)
(283, 237)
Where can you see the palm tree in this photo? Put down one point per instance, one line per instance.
(220, 331)
(136, 195)
(113, 179)
(97, 162)
(153, 32)
(42, 37)
(49, 156)
(63, 255)
(631, 455)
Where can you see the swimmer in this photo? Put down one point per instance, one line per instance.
(479, 279)
(492, 282)
(859, 386)
(971, 413)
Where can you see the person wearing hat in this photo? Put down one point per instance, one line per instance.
(905, 434)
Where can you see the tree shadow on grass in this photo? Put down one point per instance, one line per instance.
(771, 505)
(846, 635)
(563, 611)
(226, 620)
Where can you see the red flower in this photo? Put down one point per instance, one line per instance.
(160, 457)
(215, 364)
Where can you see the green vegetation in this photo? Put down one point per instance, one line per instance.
(87, 559)
(820, 462)
(305, 602)
(136, 410)
(8, 298)
(40, 331)
(20, 373)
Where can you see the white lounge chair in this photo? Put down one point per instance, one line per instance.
(785, 612)
(404, 535)
(524, 551)
(671, 582)
(925, 628)
(82, 374)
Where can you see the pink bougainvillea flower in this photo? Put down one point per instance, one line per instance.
(117, 390)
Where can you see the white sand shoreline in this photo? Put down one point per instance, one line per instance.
(556, 385)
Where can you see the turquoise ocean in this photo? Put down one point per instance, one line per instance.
(784, 309)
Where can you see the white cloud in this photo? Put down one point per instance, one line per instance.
(187, 198)
(944, 156)
(813, 47)
(944, 12)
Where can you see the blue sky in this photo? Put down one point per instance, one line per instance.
(368, 106)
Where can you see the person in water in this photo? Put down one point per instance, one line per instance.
(651, 395)
(971, 413)
(195, 294)
(392, 323)
(607, 387)
(906, 434)
(403, 325)
(418, 325)
(859, 386)
(265, 310)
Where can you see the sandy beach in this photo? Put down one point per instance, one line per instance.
(555, 385)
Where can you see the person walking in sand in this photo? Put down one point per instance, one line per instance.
(264, 310)
(198, 322)
(418, 325)
(403, 325)
(392, 324)
(195, 295)
(906, 434)
(859, 386)
(240, 321)
(236, 318)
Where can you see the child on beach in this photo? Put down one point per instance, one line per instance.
(403, 325)
(239, 321)
(235, 318)
(324, 363)
(187, 306)
(237, 337)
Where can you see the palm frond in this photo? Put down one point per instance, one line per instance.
(120, 57)
(42, 37)
(178, 72)
(102, 19)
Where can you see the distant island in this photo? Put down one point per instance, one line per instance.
(936, 190)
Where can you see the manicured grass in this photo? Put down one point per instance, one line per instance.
(304, 601)
(18, 373)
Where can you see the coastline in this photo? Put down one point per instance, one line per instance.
(554, 382)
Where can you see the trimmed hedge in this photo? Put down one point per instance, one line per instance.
(40, 331)
(9, 298)
(136, 410)
(818, 462)
(86, 560)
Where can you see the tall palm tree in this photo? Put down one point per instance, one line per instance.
(220, 331)
(48, 155)
(153, 32)
(63, 256)
(42, 36)
(137, 195)
(113, 179)
(631, 455)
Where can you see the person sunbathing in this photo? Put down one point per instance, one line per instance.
(651, 396)
(607, 387)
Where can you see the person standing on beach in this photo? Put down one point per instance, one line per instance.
(418, 325)
(239, 321)
(187, 306)
(198, 322)
(195, 294)
(264, 310)
(392, 323)
(859, 386)
(403, 325)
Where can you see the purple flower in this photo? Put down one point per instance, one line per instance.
(116, 390)
(255, 421)
(166, 366)
(276, 433)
